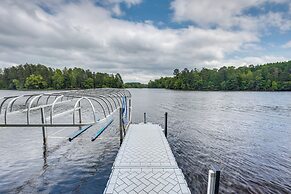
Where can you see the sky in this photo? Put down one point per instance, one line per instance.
(144, 39)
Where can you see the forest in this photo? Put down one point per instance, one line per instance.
(267, 77)
(30, 76)
(134, 85)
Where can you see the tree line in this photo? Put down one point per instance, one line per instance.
(31, 76)
(267, 77)
(134, 85)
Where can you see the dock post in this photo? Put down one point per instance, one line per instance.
(213, 181)
(120, 125)
(129, 110)
(144, 118)
(43, 127)
(166, 124)
(80, 114)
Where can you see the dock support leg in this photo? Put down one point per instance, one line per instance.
(120, 125)
(80, 114)
(43, 127)
(144, 118)
(166, 124)
(44, 139)
(129, 110)
(213, 181)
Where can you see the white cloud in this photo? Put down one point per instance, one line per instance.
(85, 35)
(276, 20)
(244, 61)
(228, 14)
(225, 13)
(287, 45)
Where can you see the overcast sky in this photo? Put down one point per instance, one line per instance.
(144, 39)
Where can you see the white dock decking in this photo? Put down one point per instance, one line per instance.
(146, 164)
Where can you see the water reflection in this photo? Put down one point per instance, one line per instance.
(45, 165)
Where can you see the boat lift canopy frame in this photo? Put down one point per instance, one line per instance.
(106, 100)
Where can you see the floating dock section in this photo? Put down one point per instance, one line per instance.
(145, 164)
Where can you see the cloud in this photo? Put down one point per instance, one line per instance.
(80, 33)
(277, 20)
(287, 45)
(226, 13)
(245, 61)
(229, 14)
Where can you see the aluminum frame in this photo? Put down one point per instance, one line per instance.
(106, 99)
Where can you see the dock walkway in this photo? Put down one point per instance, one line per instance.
(146, 164)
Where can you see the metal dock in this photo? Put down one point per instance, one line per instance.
(146, 164)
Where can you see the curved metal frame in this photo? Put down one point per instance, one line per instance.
(5, 99)
(29, 99)
(104, 112)
(8, 107)
(106, 100)
(52, 108)
(117, 99)
(92, 106)
(112, 101)
(29, 107)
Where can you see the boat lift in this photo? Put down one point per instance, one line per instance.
(98, 104)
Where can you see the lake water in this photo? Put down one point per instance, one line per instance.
(247, 134)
